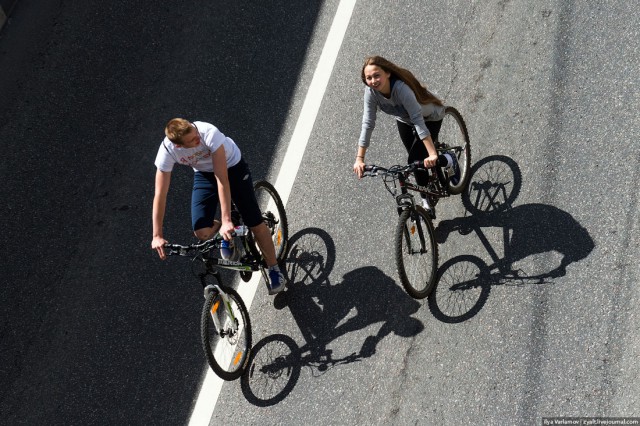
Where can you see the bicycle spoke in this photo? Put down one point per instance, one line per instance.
(226, 335)
(453, 134)
(274, 216)
(416, 253)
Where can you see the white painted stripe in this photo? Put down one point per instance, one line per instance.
(311, 106)
(212, 385)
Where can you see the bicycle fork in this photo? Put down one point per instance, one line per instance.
(406, 202)
(417, 225)
(223, 302)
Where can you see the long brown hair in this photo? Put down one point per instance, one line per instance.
(423, 95)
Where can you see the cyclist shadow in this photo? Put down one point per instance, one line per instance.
(528, 230)
(324, 312)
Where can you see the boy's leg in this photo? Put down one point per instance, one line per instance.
(204, 204)
(265, 243)
(244, 197)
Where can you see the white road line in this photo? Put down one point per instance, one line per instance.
(210, 390)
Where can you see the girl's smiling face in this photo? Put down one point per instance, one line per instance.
(378, 79)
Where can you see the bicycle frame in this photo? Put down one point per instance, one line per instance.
(232, 264)
(436, 187)
(396, 178)
(204, 249)
(227, 307)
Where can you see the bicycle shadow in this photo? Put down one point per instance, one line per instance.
(324, 312)
(528, 230)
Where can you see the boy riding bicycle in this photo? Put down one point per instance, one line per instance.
(220, 176)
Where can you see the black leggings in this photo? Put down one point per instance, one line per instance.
(416, 149)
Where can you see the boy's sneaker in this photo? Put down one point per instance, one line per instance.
(276, 284)
(455, 177)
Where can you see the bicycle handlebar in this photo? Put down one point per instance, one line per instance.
(180, 250)
(373, 170)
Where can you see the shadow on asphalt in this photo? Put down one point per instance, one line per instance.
(325, 311)
(94, 328)
(540, 231)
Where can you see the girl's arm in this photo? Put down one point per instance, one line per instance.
(358, 166)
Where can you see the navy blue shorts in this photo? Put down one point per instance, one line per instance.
(205, 200)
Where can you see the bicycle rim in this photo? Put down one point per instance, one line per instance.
(453, 133)
(226, 337)
(416, 253)
(275, 216)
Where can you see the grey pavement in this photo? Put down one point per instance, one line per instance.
(96, 330)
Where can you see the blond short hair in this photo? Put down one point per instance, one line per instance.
(176, 129)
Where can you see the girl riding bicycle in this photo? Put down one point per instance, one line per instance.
(418, 114)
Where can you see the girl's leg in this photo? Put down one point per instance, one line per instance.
(415, 147)
(434, 129)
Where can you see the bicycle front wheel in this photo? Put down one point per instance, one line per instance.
(453, 134)
(226, 333)
(416, 252)
(274, 216)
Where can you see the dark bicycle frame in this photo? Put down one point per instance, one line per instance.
(251, 261)
(437, 186)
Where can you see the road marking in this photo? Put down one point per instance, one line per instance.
(212, 384)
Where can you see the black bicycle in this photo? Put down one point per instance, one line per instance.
(225, 326)
(416, 249)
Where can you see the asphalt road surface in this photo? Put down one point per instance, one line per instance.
(95, 329)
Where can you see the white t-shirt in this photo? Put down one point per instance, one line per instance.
(199, 157)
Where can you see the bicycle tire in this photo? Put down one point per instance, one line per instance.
(227, 355)
(279, 228)
(416, 252)
(453, 133)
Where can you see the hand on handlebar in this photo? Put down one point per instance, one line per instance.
(157, 244)
(358, 167)
(227, 230)
(430, 161)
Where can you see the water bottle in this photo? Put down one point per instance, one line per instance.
(226, 249)
(241, 230)
(231, 250)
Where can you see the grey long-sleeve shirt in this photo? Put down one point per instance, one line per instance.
(403, 105)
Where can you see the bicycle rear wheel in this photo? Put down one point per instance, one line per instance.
(453, 134)
(226, 334)
(416, 252)
(274, 216)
